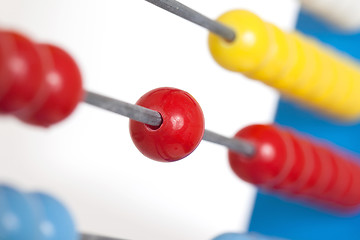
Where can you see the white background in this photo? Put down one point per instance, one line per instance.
(124, 49)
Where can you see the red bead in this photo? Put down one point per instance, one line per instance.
(326, 175)
(296, 170)
(272, 160)
(346, 196)
(180, 132)
(21, 71)
(353, 195)
(305, 155)
(61, 90)
(343, 179)
(315, 173)
(333, 164)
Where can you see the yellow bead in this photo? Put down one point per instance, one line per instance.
(350, 105)
(296, 71)
(280, 55)
(252, 44)
(321, 94)
(322, 78)
(307, 74)
(339, 90)
(347, 79)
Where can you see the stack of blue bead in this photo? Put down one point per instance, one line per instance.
(33, 216)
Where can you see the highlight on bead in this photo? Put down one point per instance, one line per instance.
(299, 67)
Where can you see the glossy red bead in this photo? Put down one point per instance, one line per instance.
(328, 192)
(305, 156)
(287, 184)
(272, 160)
(352, 196)
(21, 71)
(326, 175)
(180, 132)
(343, 179)
(61, 91)
(311, 182)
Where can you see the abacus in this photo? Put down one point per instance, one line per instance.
(299, 177)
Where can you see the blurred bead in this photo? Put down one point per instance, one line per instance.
(54, 222)
(17, 219)
(61, 92)
(21, 71)
(248, 236)
(272, 155)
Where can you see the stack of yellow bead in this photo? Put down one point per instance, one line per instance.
(297, 66)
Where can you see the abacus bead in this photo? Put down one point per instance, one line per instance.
(343, 180)
(180, 132)
(353, 195)
(16, 216)
(347, 180)
(281, 58)
(61, 92)
(21, 71)
(296, 170)
(272, 154)
(316, 171)
(294, 72)
(54, 220)
(332, 181)
(326, 173)
(240, 236)
(251, 47)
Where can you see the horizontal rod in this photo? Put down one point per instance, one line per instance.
(94, 237)
(237, 145)
(154, 118)
(193, 16)
(132, 111)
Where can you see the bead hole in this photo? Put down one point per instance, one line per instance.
(154, 128)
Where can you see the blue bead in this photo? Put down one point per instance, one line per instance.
(238, 236)
(17, 220)
(55, 222)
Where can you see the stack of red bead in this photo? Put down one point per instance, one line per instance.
(290, 164)
(40, 84)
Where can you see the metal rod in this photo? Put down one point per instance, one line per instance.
(237, 145)
(191, 15)
(94, 237)
(132, 111)
(154, 118)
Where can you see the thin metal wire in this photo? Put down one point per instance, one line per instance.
(94, 237)
(193, 16)
(132, 111)
(154, 118)
(237, 145)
